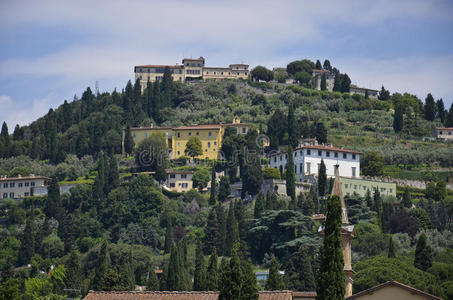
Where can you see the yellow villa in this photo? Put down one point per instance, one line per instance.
(176, 138)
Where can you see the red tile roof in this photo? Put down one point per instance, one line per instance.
(201, 126)
(397, 284)
(320, 71)
(23, 178)
(149, 295)
(304, 294)
(160, 66)
(444, 128)
(328, 148)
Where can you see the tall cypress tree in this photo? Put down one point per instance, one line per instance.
(73, 271)
(331, 283)
(212, 196)
(99, 181)
(128, 141)
(232, 234)
(391, 252)
(318, 65)
(211, 232)
(274, 281)
(27, 247)
(322, 179)
(259, 205)
(398, 119)
(54, 207)
(430, 108)
(323, 82)
(249, 289)
(221, 219)
(293, 138)
(101, 266)
(212, 276)
(449, 120)
(337, 83)
(423, 254)
(113, 175)
(378, 205)
(4, 141)
(51, 136)
(440, 110)
(168, 237)
(291, 178)
(199, 276)
(345, 83)
(406, 201)
(231, 281)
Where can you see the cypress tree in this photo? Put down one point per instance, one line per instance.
(323, 82)
(440, 110)
(128, 141)
(430, 108)
(308, 205)
(321, 133)
(239, 215)
(99, 181)
(224, 189)
(299, 272)
(345, 83)
(327, 65)
(391, 252)
(173, 274)
(212, 198)
(168, 237)
(293, 139)
(448, 122)
(384, 94)
(4, 141)
(27, 246)
(113, 175)
(322, 179)
(337, 83)
(291, 178)
(398, 119)
(274, 281)
(67, 115)
(199, 276)
(232, 234)
(259, 205)
(73, 271)
(249, 289)
(378, 205)
(318, 65)
(212, 276)
(368, 200)
(221, 219)
(423, 254)
(211, 231)
(54, 207)
(51, 136)
(367, 94)
(101, 266)
(331, 283)
(406, 201)
(231, 281)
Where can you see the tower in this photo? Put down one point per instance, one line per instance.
(347, 233)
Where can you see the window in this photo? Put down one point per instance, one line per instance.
(183, 176)
(27, 184)
(295, 153)
(179, 134)
(345, 155)
(5, 195)
(190, 133)
(172, 175)
(179, 152)
(275, 158)
(243, 129)
(209, 144)
(295, 169)
(11, 195)
(209, 133)
(346, 185)
(32, 183)
(26, 194)
(336, 169)
(335, 154)
(308, 168)
(353, 156)
(364, 188)
(215, 143)
(391, 190)
(355, 186)
(5, 185)
(328, 153)
(184, 185)
(319, 153)
(145, 135)
(19, 184)
(353, 171)
(281, 157)
(308, 152)
(11, 185)
(179, 144)
(197, 133)
(301, 168)
(172, 184)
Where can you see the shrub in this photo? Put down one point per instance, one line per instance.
(271, 173)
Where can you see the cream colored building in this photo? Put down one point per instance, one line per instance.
(353, 89)
(317, 77)
(349, 186)
(20, 186)
(392, 290)
(179, 180)
(445, 133)
(191, 68)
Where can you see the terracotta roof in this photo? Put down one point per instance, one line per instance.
(160, 66)
(149, 295)
(171, 171)
(444, 128)
(237, 125)
(201, 126)
(23, 178)
(217, 68)
(397, 284)
(320, 71)
(239, 65)
(327, 148)
(151, 128)
(304, 294)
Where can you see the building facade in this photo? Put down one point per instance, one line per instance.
(176, 138)
(307, 159)
(362, 91)
(349, 186)
(191, 68)
(179, 180)
(20, 187)
(317, 78)
(445, 133)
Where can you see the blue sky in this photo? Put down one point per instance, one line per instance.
(52, 50)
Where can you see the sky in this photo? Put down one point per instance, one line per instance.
(52, 50)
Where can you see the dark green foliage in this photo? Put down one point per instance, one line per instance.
(211, 232)
(249, 288)
(293, 136)
(391, 251)
(262, 73)
(73, 271)
(193, 147)
(377, 205)
(54, 208)
(200, 275)
(128, 141)
(330, 283)
(345, 83)
(322, 179)
(232, 278)
(276, 128)
(321, 133)
(151, 155)
(260, 204)
(291, 178)
(323, 82)
(168, 245)
(372, 164)
(274, 281)
(398, 119)
(27, 247)
(153, 282)
(326, 65)
(232, 230)
(430, 108)
(212, 276)
(318, 65)
(384, 94)
(298, 66)
(299, 271)
(449, 121)
(251, 175)
(440, 110)
(423, 254)
(200, 180)
(177, 275)
(406, 200)
(4, 141)
(308, 206)
(359, 209)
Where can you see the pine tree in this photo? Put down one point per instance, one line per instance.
(212, 276)
(327, 65)
(345, 83)
(448, 122)
(323, 82)
(231, 279)
(73, 271)
(318, 65)
(199, 276)
(168, 237)
(212, 197)
(249, 289)
(406, 201)
(291, 178)
(27, 247)
(224, 189)
(322, 179)
(423, 254)
(440, 110)
(331, 283)
(384, 94)
(259, 205)
(274, 281)
(391, 252)
(398, 119)
(211, 231)
(128, 141)
(299, 272)
(430, 108)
